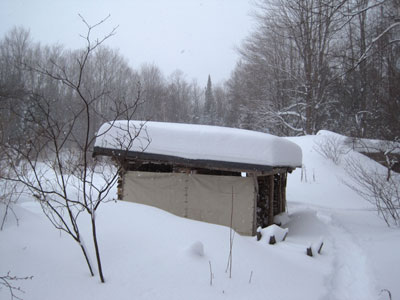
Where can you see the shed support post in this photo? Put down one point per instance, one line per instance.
(256, 199)
(120, 181)
(284, 180)
(280, 198)
(271, 201)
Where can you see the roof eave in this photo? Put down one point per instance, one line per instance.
(124, 155)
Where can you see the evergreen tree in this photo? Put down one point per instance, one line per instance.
(209, 104)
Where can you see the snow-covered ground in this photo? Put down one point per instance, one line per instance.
(150, 254)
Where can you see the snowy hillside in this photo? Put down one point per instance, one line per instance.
(151, 254)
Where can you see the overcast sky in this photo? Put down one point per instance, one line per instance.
(196, 36)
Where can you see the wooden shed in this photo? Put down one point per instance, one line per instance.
(220, 175)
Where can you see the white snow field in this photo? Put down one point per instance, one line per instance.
(150, 254)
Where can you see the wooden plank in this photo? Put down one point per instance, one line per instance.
(282, 189)
(280, 203)
(180, 161)
(271, 201)
(120, 187)
(256, 199)
(284, 179)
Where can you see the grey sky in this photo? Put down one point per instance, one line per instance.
(195, 36)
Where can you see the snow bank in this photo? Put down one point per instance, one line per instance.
(363, 145)
(200, 142)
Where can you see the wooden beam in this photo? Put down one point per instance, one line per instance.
(180, 161)
(271, 201)
(278, 170)
(280, 194)
(256, 199)
(284, 180)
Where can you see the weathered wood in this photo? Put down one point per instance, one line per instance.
(272, 240)
(284, 237)
(320, 248)
(274, 171)
(256, 199)
(180, 161)
(271, 201)
(120, 184)
(276, 194)
(284, 182)
(280, 200)
(259, 235)
(262, 201)
(309, 251)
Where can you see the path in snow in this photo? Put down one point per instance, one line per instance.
(349, 276)
(352, 277)
(363, 248)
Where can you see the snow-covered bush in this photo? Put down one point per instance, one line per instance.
(330, 145)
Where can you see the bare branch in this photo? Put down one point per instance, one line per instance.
(7, 282)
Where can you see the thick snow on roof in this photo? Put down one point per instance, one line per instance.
(200, 142)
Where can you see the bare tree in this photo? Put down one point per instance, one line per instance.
(153, 85)
(387, 153)
(290, 50)
(8, 280)
(10, 193)
(177, 97)
(373, 186)
(14, 50)
(55, 162)
(312, 65)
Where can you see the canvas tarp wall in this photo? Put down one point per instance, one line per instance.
(200, 197)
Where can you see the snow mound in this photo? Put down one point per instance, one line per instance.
(200, 142)
(273, 230)
(282, 219)
(197, 249)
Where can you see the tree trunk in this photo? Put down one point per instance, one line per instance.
(96, 246)
(86, 258)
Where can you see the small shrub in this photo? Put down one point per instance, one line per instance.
(331, 147)
(375, 187)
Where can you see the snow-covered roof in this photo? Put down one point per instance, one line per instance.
(199, 142)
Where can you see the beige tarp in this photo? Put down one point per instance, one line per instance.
(200, 197)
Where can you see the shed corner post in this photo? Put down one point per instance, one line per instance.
(284, 184)
(255, 203)
(120, 182)
(271, 200)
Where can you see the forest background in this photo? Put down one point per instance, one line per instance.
(308, 65)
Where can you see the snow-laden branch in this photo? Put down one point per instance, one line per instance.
(376, 39)
(291, 113)
(363, 10)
